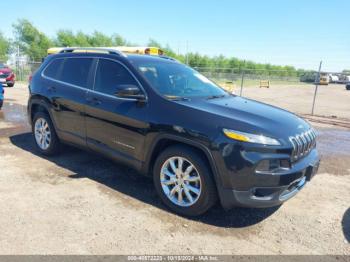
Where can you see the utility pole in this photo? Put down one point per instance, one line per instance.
(316, 87)
(242, 79)
(17, 62)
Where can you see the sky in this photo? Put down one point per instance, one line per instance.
(300, 33)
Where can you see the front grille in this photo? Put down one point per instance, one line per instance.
(302, 144)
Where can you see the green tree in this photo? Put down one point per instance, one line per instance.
(82, 39)
(154, 43)
(30, 40)
(65, 38)
(118, 40)
(100, 39)
(4, 47)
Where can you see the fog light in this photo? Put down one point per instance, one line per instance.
(269, 165)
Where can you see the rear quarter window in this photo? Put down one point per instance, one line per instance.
(73, 71)
(53, 68)
(76, 71)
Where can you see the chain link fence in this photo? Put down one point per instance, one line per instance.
(23, 70)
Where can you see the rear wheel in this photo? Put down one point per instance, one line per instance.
(11, 85)
(184, 181)
(44, 134)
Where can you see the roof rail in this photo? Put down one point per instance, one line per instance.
(97, 49)
(169, 58)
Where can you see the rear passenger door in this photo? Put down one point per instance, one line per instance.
(67, 83)
(115, 125)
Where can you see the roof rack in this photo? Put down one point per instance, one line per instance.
(87, 49)
(168, 57)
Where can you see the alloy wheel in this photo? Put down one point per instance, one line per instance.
(42, 133)
(180, 181)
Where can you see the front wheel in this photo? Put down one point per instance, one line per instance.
(183, 181)
(44, 134)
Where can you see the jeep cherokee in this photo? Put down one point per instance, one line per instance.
(164, 119)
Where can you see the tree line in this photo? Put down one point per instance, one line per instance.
(34, 43)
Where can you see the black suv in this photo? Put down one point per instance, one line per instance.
(168, 121)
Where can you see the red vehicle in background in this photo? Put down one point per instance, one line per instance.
(7, 76)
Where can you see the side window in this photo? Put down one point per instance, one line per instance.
(53, 68)
(110, 75)
(76, 71)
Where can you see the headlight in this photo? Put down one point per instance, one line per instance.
(251, 138)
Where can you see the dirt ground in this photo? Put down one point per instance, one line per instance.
(81, 203)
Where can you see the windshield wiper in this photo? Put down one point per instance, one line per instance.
(215, 96)
(177, 98)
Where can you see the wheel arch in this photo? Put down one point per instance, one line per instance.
(38, 104)
(164, 141)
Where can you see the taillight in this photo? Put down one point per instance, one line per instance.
(30, 78)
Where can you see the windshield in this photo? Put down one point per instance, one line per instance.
(177, 80)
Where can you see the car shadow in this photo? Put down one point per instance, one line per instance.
(346, 225)
(85, 164)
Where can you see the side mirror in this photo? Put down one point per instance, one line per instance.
(130, 91)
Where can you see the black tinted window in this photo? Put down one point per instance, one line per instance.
(53, 68)
(110, 76)
(76, 71)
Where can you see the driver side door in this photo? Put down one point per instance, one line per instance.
(115, 126)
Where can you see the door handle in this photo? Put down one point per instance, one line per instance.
(93, 101)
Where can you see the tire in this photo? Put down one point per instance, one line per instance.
(11, 85)
(200, 176)
(53, 146)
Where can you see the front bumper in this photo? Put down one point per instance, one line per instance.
(271, 189)
(10, 82)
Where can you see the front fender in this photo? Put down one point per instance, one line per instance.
(146, 168)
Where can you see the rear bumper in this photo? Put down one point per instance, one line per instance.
(283, 186)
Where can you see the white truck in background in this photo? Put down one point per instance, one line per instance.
(333, 78)
(344, 79)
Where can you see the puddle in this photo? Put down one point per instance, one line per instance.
(17, 116)
(11, 112)
(334, 141)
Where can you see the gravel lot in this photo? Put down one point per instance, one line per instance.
(331, 100)
(81, 203)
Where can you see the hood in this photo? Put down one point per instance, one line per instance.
(5, 70)
(250, 116)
